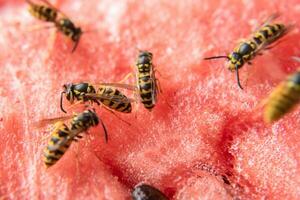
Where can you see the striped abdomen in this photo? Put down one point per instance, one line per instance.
(146, 80)
(268, 34)
(44, 13)
(283, 98)
(146, 89)
(121, 102)
(60, 133)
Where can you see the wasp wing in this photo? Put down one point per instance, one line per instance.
(115, 98)
(119, 85)
(45, 122)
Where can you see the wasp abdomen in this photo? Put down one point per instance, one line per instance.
(118, 101)
(283, 99)
(43, 13)
(59, 134)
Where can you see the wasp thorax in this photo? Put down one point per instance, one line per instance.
(88, 117)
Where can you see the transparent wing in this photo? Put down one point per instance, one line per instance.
(115, 98)
(268, 20)
(45, 122)
(118, 85)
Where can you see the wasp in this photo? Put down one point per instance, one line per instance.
(147, 84)
(147, 192)
(62, 136)
(108, 96)
(283, 98)
(62, 23)
(245, 51)
(45, 12)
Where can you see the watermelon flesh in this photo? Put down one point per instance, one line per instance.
(212, 143)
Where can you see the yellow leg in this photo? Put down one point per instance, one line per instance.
(50, 45)
(129, 75)
(160, 74)
(40, 27)
(75, 104)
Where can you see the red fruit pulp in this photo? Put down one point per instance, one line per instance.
(212, 129)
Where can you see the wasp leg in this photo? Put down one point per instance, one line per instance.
(117, 115)
(75, 104)
(160, 74)
(97, 102)
(159, 90)
(129, 75)
(79, 136)
(50, 45)
(40, 27)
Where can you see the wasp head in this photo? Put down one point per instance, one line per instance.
(77, 34)
(90, 116)
(68, 90)
(144, 57)
(235, 61)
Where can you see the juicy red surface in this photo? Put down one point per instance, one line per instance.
(213, 128)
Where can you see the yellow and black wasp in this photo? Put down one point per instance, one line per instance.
(108, 96)
(62, 136)
(147, 84)
(261, 39)
(283, 98)
(47, 12)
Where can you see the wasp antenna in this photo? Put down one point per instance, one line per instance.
(105, 131)
(238, 77)
(216, 57)
(61, 102)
